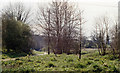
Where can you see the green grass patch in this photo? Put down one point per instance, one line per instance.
(90, 62)
(13, 55)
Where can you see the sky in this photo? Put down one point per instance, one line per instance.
(92, 9)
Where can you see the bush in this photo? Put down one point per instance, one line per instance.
(90, 58)
(114, 69)
(80, 65)
(30, 60)
(50, 64)
(112, 58)
(89, 62)
(53, 59)
(96, 59)
(96, 68)
(38, 61)
(19, 62)
(70, 60)
(16, 35)
(84, 53)
(36, 65)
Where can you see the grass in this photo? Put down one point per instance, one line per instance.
(37, 52)
(90, 61)
(13, 54)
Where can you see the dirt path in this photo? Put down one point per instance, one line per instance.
(40, 54)
(8, 59)
(20, 57)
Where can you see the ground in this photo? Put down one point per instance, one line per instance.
(91, 61)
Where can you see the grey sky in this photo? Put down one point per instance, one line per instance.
(92, 9)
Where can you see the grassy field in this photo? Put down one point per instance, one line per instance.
(12, 54)
(90, 61)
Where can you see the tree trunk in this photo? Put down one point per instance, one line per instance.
(80, 52)
(119, 47)
(8, 50)
(48, 44)
(49, 32)
(54, 52)
(104, 49)
(99, 51)
(119, 55)
(48, 50)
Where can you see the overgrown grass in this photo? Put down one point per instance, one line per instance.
(90, 62)
(13, 54)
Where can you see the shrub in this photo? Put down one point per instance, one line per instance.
(5, 63)
(19, 62)
(90, 58)
(114, 69)
(112, 58)
(84, 53)
(20, 37)
(30, 61)
(38, 61)
(89, 62)
(36, 65)
(58, 55)
(105, 64)
(70, 60)
(96, 68)
(50, 64)
(80, 65)
(53, 59)
(96, 59)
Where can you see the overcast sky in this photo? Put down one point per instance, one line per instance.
(92, 9)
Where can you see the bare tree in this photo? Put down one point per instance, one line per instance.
(95, 37)
(17, 11)
(44, 22)
(106, 23)
(81, 22)
(102, 28)
(114, 38)
(63, 22)
(119, 41)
